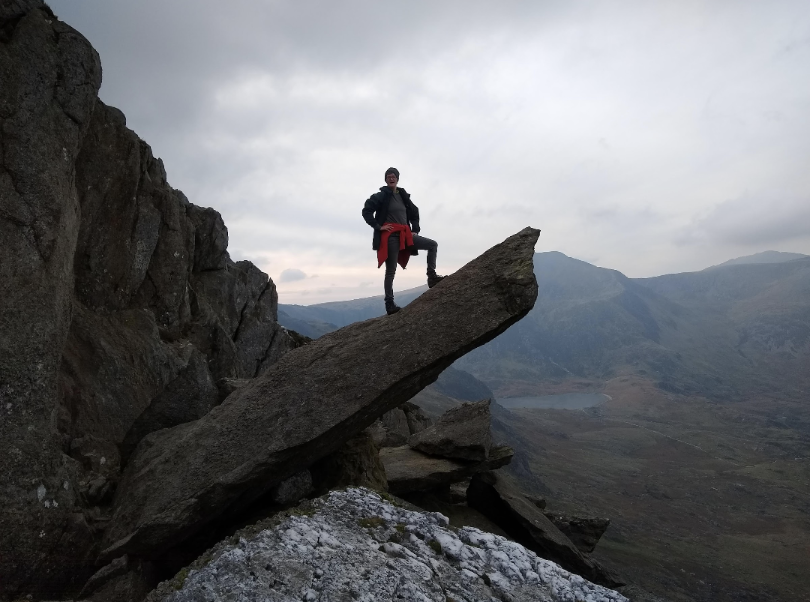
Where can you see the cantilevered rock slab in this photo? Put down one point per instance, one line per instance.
(461, 432)
(315, 398)
(408, 470)
(496, 498)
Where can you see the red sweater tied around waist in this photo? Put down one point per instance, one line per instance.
(405, 244)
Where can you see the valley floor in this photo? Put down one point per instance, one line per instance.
(708, 501)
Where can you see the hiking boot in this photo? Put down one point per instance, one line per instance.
(434, 279)
(391, 307)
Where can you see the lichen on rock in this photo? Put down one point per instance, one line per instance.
(357, 545)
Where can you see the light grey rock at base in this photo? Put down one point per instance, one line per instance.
(179, 479)
(353, 544)
(410, 470)
(462, 432)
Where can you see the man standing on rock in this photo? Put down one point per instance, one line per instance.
(395, 220)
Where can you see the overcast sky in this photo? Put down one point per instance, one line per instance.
(649, 137)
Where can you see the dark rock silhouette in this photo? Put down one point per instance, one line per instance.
(120, 307)
(462, 433)
(496, 498)
(311, 401)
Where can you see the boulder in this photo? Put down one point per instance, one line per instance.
(312, 400)
(461, 433)
(584, 533)
(409, 470)
(395, 425)
(417, 420)
(355, 463)
(495, 497)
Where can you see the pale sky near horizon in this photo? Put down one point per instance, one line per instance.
(648, 137)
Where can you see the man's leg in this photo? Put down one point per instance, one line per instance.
(431, 246)
(390, 272)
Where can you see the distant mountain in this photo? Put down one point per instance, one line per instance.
(724, 332)
(764, 257)
(316, 320)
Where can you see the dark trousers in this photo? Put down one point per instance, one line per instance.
(422, 244)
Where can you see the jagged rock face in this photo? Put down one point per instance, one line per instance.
(49, 77)
(462, 432)
(317, 396)
(354, 545)
(120, 308)
(499, 500)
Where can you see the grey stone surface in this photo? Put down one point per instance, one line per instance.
(409, 470)
(494, 496)
(462, 432)
(353, 545)
(322, 393)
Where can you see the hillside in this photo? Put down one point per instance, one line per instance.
(725, 332)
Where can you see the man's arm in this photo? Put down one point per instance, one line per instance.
(414, 219)
(371, 205)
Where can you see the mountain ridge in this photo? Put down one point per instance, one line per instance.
(724, 332)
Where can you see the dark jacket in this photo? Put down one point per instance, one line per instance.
(376, 210)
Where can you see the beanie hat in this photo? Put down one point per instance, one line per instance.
(392, 170)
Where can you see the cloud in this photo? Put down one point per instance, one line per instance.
(291, 275)
(620, 129)
(754, 220)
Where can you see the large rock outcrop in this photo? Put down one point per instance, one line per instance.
(120, 307)
(313, 399)
(495, 497)
(49, 77)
